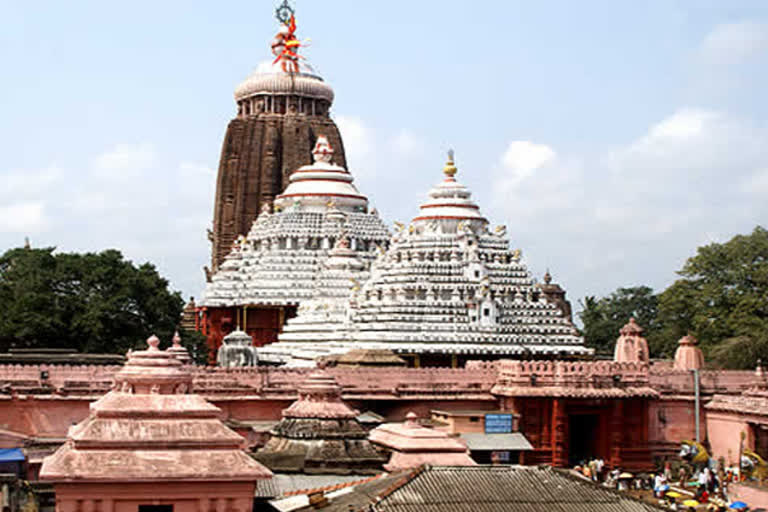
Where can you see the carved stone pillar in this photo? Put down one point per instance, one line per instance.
(559, 434)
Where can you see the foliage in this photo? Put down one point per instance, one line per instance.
(741, 352)
(722, 299)
(604, 317)
(93, 302)
(196, 344)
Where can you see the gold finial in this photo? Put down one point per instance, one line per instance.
(450, 168)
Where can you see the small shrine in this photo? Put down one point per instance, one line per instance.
(151, 442)
(176, 348)
(688, 355)
(320, 228)
(631, 347)
(413, 445)
(236, 350)
(447, 290)
(320, 434)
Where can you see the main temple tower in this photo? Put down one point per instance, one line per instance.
(282, 107)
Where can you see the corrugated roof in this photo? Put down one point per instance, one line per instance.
(487, 442)
(485, 489)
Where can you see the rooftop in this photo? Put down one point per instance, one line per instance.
(482, 489)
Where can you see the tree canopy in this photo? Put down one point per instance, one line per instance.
(721, 298)
(92, 302)
(602, 318)
(722, 294)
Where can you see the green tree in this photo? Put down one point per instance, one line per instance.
(722, 299)
(93, 302)
(603, 318)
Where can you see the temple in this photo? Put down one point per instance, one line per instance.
(320, 434)
(151, 441)
(321, 229)
(447, 290)
(412, 445)
(282, 107)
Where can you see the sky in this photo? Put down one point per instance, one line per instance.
(612, 138)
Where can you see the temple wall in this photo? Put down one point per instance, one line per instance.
(395, 411)
(126, 497)
(38, 417)
(667, 380)
(252, 409)
(672, 420)
(44, 400)
(725, 430)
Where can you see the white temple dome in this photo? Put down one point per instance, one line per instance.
(270, 79)
(281, 260)
(322, 184)
(449, 204)
(446, 285)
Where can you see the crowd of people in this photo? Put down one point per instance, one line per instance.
(698, 487)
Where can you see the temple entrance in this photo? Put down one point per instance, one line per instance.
(155, 508)
(582, 437)
(760, 433)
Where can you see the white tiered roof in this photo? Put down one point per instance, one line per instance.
(447, 284)
(279, 260)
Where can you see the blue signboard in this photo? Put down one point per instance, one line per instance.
(498, 423)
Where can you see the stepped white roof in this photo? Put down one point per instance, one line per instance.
(279, 260)
(447, 284)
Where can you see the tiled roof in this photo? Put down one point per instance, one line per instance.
(750, 402)
(484, 489)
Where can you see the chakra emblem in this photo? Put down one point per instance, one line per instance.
(284, 12)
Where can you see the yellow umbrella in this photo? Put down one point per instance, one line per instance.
(625, 475)
(674, 494)
(691, 503)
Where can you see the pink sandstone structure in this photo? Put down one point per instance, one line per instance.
(631, 347)
(688, 355)
(150, 441)
(413, 445)
(631, 414)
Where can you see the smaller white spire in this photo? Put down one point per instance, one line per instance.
(323, 151)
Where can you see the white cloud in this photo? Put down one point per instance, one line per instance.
(131, 200)
(733, 42)
(757, 184)
(683, 124)
(523, 157)
(358, 143)
(24, 217)
(24, 183)
(125, 161)
(634, 214)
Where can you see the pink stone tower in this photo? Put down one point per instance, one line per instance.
(150, 441)
(688, 355)
(631, 347)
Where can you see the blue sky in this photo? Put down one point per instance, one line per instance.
(611, 137)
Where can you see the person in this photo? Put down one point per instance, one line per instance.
(658, 481)
(703, 478)
(593, 469)
(668, 471)
(682, 475)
